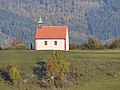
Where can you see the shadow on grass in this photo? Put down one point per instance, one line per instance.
(40, 69)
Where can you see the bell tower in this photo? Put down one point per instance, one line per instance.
(40, 23)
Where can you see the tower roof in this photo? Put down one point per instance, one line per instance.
(40, 20)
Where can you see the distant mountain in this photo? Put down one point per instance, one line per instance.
(5, 40)
(85, 18)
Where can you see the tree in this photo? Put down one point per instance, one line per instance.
(16, 45)
(93, 43)
(0, 48)
(57, 67)
(115, 44)
(15, 41)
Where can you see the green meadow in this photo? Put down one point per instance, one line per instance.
(108, 60)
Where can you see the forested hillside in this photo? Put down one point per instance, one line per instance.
(85, 18)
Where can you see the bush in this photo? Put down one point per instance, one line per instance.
(20, 47)
(93, 43)
(9, 48)
(16, 47)
(4, 72)
(72, 47)
(115, 44)
(53, 72)
(10, 73)
(14, 73)
(0, 48)
(83, 46)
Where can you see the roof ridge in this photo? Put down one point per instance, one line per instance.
(54, 26)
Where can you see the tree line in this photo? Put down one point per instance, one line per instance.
(95, 44)
(92, 44)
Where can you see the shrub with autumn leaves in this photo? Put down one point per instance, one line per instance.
(57, 68)
(10, 73)
(53, 73)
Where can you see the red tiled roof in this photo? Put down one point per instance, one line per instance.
(51, 32)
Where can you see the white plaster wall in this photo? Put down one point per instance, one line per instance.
(67, 40)
(50, 44)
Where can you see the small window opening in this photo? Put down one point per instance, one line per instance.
(55, 42)
(45, 42)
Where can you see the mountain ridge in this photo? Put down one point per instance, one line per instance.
(85, 18)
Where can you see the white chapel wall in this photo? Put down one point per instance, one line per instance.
(50, 44)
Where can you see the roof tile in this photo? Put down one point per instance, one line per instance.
(51, 32)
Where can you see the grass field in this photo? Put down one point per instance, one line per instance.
(26, 59)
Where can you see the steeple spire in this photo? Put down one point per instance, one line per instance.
(40, 23)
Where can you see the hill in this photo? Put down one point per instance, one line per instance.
(4, 39)
(85, 18)
(98, 64)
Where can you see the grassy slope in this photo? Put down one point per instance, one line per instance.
(95, 55)
(100, 82)
(26, 60)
